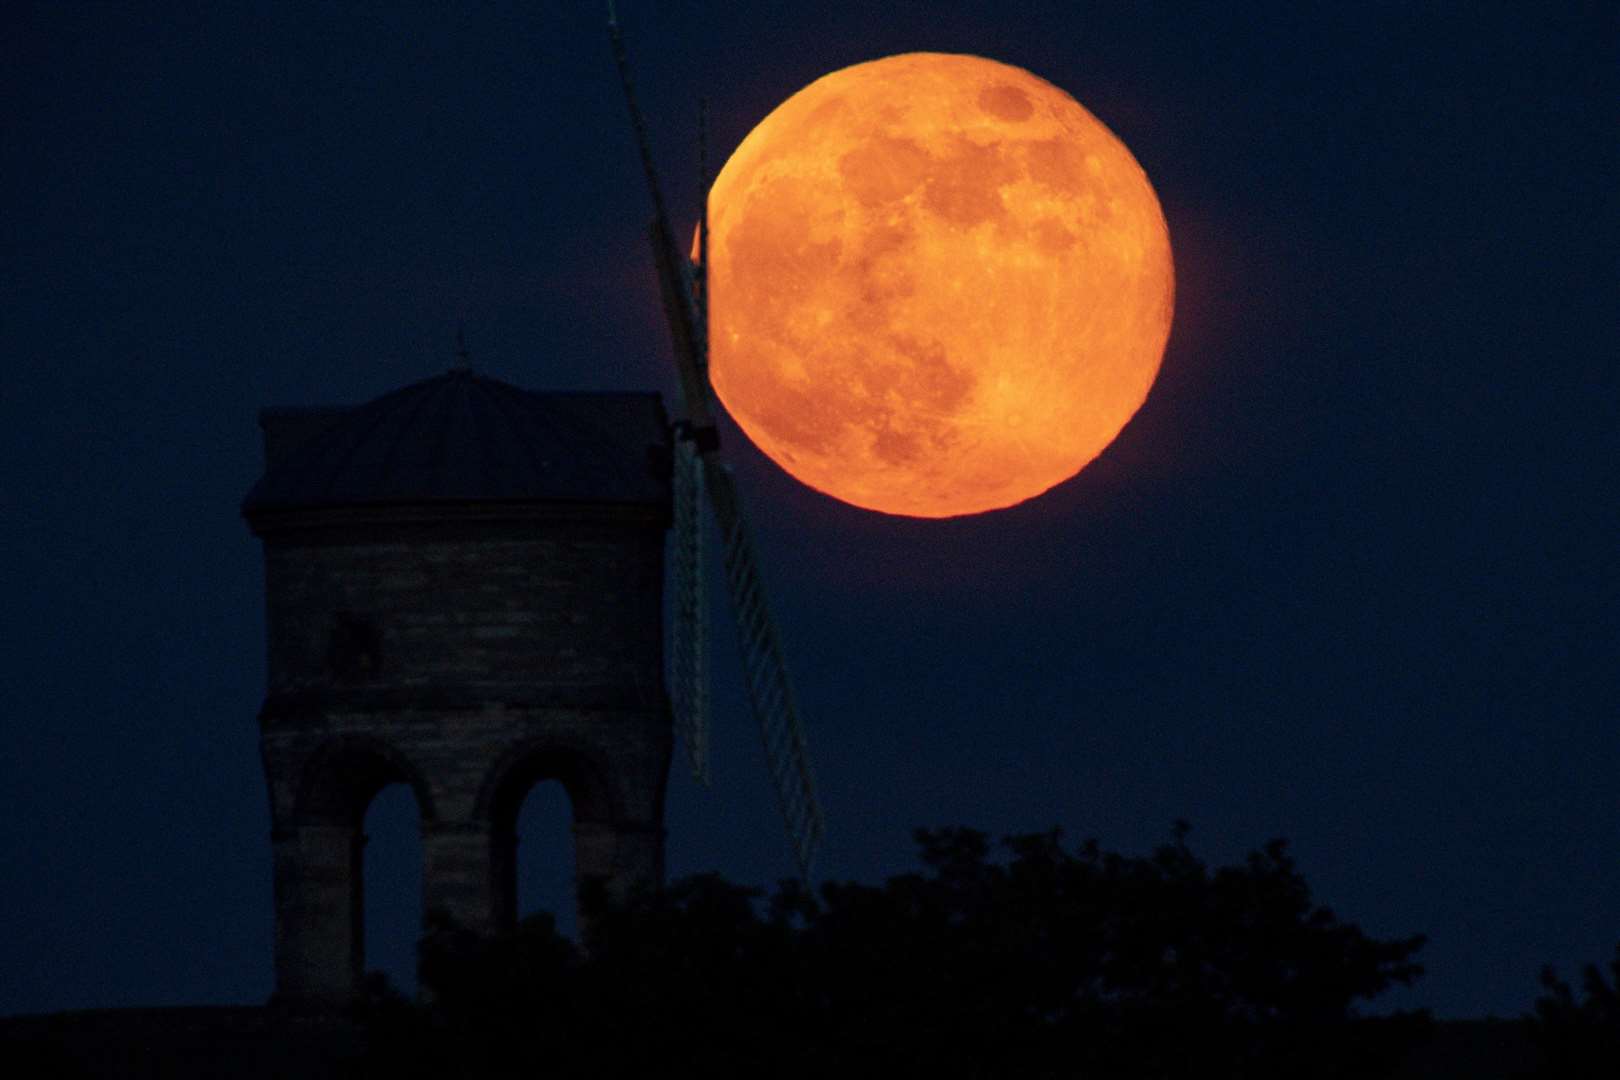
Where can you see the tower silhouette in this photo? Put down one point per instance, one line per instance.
(463, 585)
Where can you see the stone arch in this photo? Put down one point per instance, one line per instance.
(319, 861)
(343, 775)
(591, 797)
(587, 781)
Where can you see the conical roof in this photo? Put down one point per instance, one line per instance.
(461, 437)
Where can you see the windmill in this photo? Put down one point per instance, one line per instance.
(699, 472)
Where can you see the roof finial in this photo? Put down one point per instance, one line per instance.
(463, 357)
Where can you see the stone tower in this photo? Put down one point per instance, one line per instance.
(463, 584)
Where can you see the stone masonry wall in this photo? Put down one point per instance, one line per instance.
(567, 606)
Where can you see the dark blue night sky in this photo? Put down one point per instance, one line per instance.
(1348, 578)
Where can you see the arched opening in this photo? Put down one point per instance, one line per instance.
(544, 795)
(544, 836)
(334, 890)
(390, 887)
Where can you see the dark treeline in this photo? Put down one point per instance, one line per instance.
(1579, 1034)
(1037, 961)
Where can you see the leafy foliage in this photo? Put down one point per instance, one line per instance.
(1045, 963)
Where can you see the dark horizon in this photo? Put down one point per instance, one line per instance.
(1345, 579)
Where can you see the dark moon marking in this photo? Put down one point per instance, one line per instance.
(1006, 102)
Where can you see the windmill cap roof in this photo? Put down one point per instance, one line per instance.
(461, 437)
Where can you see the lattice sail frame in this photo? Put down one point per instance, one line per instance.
(689, 653)
(770, 691)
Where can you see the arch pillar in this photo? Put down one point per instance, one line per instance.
(461, 866)
(618, 856)
(320, 912)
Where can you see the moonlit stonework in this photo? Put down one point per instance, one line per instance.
(938, 285)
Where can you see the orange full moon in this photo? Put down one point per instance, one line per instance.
(937, 285)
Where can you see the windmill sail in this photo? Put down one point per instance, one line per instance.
(769, 691)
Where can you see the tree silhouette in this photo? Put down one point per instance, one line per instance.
(1579, 1039)
(1043, 963)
